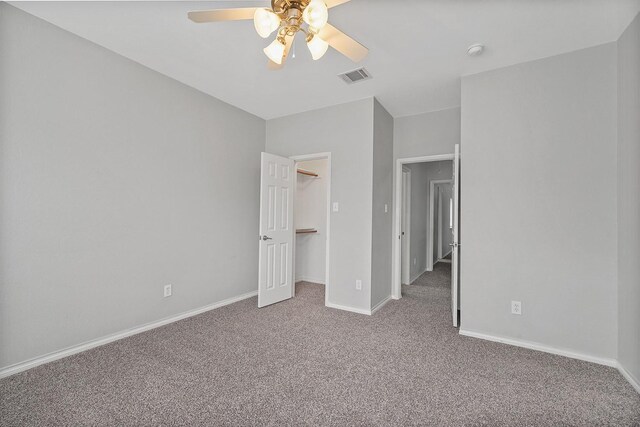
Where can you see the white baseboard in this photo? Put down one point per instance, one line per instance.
(50, 357)
(541, 347)
(360, 310)
(627, 375)
(347, 308)
(310, 279)
(381, 304)
(413, 279)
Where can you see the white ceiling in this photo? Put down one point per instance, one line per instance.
(417, 48)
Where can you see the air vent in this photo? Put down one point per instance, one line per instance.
(355, 76)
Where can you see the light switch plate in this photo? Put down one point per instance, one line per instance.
(335, 206)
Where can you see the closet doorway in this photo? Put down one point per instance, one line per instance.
(312, 220)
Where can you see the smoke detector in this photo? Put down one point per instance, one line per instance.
(475, 49)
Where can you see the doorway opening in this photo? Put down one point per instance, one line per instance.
(294, 211)
(426, 223)
(440, 220)
(311, 220)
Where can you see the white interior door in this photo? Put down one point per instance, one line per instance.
(275, 271)
(455, 253)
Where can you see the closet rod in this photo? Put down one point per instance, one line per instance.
(304, 172)
(306, 230)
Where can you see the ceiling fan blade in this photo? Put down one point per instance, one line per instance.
(334, 3)
(288, 42)
(343, 43)
(216, 15)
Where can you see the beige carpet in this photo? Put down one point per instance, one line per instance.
(300, 363)
(440, 277)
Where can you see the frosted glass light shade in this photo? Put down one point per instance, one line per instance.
(317, 47)
(266, 22)
(275, 51)
(316, 14)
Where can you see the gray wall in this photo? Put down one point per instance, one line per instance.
(629, 199)
(421, 176)
(382, 191)
(539, 201)
(426, 134)
(114, 181)
(347, 132)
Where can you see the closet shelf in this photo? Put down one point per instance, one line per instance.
(309, 173)
(306, 230)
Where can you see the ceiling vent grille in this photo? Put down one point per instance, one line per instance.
(355, 76)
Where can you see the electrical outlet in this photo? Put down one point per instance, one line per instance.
(414, 261)
(516, 307)
(335, 206)
(386, 208)
(359, 285)
(167, 291)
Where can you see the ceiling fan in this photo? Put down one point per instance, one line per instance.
(289, 17)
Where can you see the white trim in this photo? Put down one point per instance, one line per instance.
(635, 383)
(424, 159)
(381, 304)
(311, 279)
(50, 357)
(430, 229)
(396, 249)
(406, 207)
(541, 347)
(416, 277)
(326, 281)
(347, 308)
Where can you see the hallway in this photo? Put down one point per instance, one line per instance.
(440, 277)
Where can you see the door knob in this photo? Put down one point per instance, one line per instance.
(266, 238)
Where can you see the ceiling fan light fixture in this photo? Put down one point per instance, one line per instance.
(275, 51)
(316, 14)
(317, 47)
(266, 22)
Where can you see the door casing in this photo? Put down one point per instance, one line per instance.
(396, 289)
(406, 217)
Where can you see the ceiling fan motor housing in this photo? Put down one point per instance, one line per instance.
(282, 7)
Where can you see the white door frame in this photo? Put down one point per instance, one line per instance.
(430, 229)
(327, 279)
(406, 213)
(396, 291)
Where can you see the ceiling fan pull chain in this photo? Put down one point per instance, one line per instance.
(293, 48)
